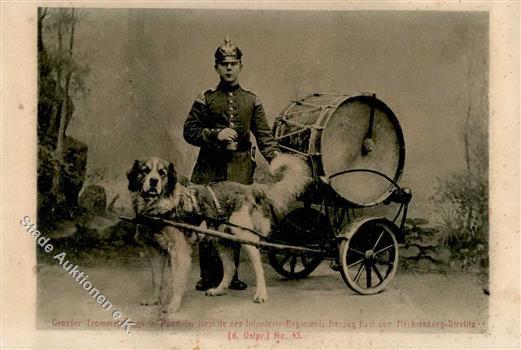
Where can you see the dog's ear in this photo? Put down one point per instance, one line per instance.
(132, 176)
(172, 179)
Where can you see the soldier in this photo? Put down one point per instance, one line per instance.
(220, 123)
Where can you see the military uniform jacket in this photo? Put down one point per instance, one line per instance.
(227, 107)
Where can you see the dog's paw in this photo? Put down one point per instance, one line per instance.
(260, 297)
(213, 292)
(171, 308)
(150, 301)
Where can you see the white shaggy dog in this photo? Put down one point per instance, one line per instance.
(247, 206)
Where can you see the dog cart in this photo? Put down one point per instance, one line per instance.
(356, 151)
(354, 211)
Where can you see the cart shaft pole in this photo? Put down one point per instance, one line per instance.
(227, 236)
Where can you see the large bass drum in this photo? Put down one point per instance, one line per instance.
(355, 142)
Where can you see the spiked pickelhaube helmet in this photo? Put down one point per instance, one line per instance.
(227, 52)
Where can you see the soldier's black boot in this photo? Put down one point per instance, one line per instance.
(236, 283)
(210, 266)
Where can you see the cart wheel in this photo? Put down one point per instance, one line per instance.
(369, 258)
(300, 227)
(293, 265)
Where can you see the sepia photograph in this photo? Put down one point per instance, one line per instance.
(262, 177)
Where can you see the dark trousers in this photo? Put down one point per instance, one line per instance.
(210, 263)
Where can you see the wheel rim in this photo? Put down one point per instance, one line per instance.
(369, 258)
(293, 265)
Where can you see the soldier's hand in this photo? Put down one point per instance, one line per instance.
(227, 134)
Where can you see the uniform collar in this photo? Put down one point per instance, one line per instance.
(227, 88)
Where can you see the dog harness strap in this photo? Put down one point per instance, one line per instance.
(215, 200)
(194, 201)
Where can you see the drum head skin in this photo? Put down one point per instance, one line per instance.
(342, 149)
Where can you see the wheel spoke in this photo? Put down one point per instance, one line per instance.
(357, 251)
(355, 263)
(293, 263)
(359, 273)
(384, 249)
(378, 274)
(378, 240)
(285, 259)
(304, 260)
(368, 276)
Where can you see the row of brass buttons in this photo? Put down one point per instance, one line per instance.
(230, 101)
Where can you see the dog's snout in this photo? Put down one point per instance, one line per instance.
(153, 182)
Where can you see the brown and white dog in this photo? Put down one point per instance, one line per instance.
(156, 191)
(148, 181)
